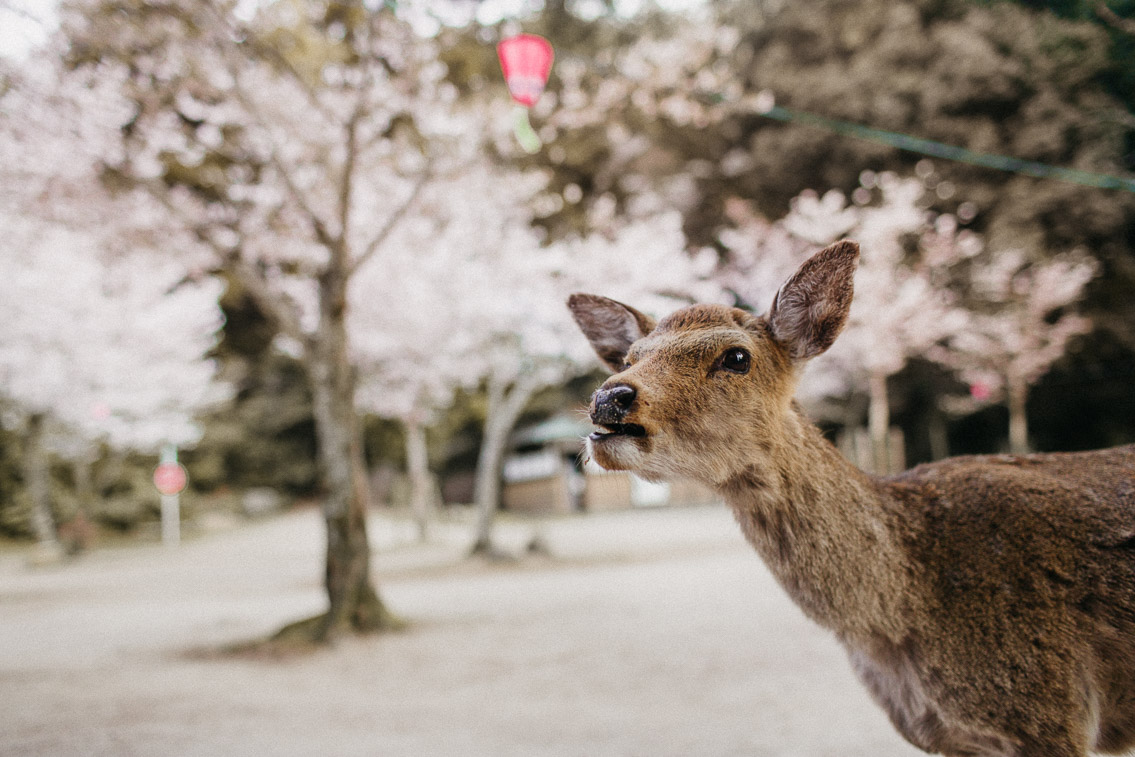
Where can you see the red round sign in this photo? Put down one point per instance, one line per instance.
(170, 478)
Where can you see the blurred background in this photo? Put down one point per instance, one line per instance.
(307, 254)
(182, 179)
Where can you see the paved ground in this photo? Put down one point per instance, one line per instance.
(652, 633)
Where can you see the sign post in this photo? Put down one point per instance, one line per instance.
(170, 480)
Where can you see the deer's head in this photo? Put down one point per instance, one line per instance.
(701, 392)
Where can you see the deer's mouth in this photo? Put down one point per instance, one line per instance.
(612, 430)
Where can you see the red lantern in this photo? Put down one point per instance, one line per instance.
(526, 60)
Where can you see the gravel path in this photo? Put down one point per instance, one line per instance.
(651, 633)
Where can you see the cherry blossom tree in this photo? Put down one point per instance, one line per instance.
(1019, 326)
(925, 287)
(106, 341)
(100, 351)
(423, 319)
(404, 332)
(292, 142)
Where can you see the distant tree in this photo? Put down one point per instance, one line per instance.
(105, 342)
(992, 77)
(924, 289)
(1021, 324)
(265, 437)
(1117, 18)
(424, 320)
(99, 351)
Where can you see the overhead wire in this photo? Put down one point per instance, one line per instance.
(946, 151)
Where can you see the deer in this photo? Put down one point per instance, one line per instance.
(986, 603)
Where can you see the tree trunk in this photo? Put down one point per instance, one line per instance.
(939, 436)
(80, 532)
(84, 480)
(353, 602)
(505, 406)
(878, 422)
(1018, 417)
(418, 470)
(37, 479)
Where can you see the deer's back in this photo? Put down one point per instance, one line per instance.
(986, 508)
(1024, 532)
(1025, 571)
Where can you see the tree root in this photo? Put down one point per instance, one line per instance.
(487, 551)
(317, 632)
(368, 616)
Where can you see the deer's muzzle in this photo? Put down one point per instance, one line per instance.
(609, 409)
(612, 404)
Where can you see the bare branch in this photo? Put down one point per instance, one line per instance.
(24, 13)
(319, 225)
(393, 220)
(239, 34)
(272, 303)
(349, 162)
(232, 57)
(1125, 25)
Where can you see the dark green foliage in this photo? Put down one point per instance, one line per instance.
(14, 507)
(124, 496)
(121, 494)
(384, 442)
(1089, 401)
(996, 79)
(266, 437)
(1117, 17)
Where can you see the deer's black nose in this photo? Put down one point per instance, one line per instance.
(611, 405)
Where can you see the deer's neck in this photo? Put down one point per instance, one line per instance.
(825, 530)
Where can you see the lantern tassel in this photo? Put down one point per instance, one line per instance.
(525, 134)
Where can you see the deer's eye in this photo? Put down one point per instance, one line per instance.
(735, 360)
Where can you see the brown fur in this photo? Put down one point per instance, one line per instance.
(987, 603)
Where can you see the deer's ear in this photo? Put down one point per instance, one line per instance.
(610, 326)
(811, 308)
